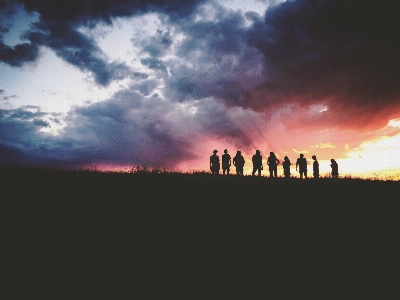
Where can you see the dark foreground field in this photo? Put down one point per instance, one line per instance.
(93, 235)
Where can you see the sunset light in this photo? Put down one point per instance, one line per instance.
(199, 149)
(163, 85)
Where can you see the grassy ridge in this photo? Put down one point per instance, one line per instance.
(199, 207)
(197, 220)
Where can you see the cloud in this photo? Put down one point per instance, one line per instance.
(41, 123)
(301, 73)
(24, 114)
(213, 58)
(18, 55)
(127, 129)
(326, 145)
(300, 151)
(340, 53)
(58, 26)
(157, 45)
(79, 50)
(154, 63)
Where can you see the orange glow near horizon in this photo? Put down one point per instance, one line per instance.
(375, 158)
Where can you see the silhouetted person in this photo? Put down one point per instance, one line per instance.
(238, 162)
(226, 162)
(335, 168)
(272, 163)
(286, 167)
(257, 163)
(315, 167)
(301, 166)
(214, 163)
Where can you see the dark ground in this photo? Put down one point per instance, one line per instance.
(93, 235)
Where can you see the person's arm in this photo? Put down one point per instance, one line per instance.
(277, 161)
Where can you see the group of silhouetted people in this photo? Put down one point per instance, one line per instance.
(272, 162)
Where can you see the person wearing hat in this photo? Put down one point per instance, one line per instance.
(214, 163)
(315, 167)
(238, 162)
(257, 163)
(286, 167)
(226, 162)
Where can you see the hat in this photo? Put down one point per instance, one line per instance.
(215, 151)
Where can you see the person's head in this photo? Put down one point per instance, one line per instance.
(286, 158)
(215, 151)
(257, 151)
(225, 151)
(239, 152)
(314, 157)
(332, 160)
(272, 154)
(302, 155)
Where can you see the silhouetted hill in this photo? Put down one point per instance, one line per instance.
(199, 223)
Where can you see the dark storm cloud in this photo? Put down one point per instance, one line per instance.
(214, 59)
(146, 87)
(41, 123)
(132, 129)
(20, 139)
(154, 63)
(343, 52)
(158, 44)
(214, 122)
(79, 50)
(19, 54)
(127, 129)
(24, 114)
(58, 24)
(91, 12)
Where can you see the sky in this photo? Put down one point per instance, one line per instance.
(162, 83)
